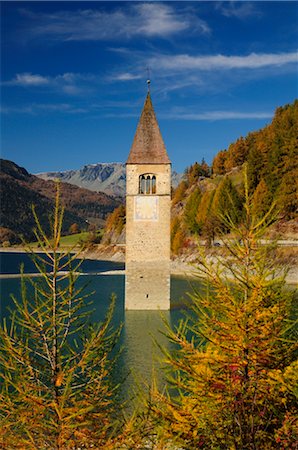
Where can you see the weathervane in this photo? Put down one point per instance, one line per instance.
(148, 80)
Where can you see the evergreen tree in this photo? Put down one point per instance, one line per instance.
(288, 194)
(55, 367)
(262, 199)
(205, 217)
(218, 164)
(205, 168)
(237, 154)
(114, 226)
(191, 210)
(196, 171)
(116, 220)
(179, 192)
(226, 201)
(178, 241)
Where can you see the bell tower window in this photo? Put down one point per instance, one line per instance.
(147, 184)
(153, 184)
(142, 184)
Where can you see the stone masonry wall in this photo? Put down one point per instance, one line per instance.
(148, 242)
(147, 286)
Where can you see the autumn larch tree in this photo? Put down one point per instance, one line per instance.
(233, 378)
(55, 366)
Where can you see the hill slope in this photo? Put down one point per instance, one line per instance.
(19, 190)
(271, 157)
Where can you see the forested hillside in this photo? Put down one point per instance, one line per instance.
(270, 155)
(19, 191)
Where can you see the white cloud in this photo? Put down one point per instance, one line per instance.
(191, 74)
(16, 109)
(126, 76)
(158, 20)
(29, 79)
(239, 10)
(69, 83)
(37, 108)
(59, 107)
(72, 89)
(140, 19)
(219, 115)
(216, 62)
(204, 116)
(183, 114)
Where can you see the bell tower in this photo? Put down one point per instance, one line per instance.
(148, 207)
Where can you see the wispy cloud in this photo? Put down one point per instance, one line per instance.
(213, 62)
(28, 79)
(68, 83)
(210, 116)
(37, 108)
(218, 115)
(126, 110)
(126, 76)
(59, 107)
(189, 73)
(27, 109)
(139, 19)
(239, 10)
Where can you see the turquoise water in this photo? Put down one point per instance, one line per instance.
(140, 328)
(10, 263)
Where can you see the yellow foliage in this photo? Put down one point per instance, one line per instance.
(236, 372)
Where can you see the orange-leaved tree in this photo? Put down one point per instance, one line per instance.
(233, 379)
(55, 366)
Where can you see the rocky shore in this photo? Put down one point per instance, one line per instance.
(184, 266)
(187, 265)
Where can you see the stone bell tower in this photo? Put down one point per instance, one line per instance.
(148, 206)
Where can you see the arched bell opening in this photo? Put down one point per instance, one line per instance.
(147, 184)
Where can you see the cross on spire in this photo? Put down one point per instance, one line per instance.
(148, 78)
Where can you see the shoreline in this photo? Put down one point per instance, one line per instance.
(178, 267)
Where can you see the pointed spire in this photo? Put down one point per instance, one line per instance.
(148, 146)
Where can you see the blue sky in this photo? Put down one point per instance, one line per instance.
(74, 76)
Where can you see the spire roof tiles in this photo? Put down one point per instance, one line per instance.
(148, 146)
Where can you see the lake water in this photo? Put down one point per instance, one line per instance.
(140, 328)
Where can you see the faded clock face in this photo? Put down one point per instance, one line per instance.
(146, 208)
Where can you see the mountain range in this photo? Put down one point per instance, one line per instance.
(101, 177)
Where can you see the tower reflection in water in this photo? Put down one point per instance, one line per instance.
(141, 355)
(141, 332)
